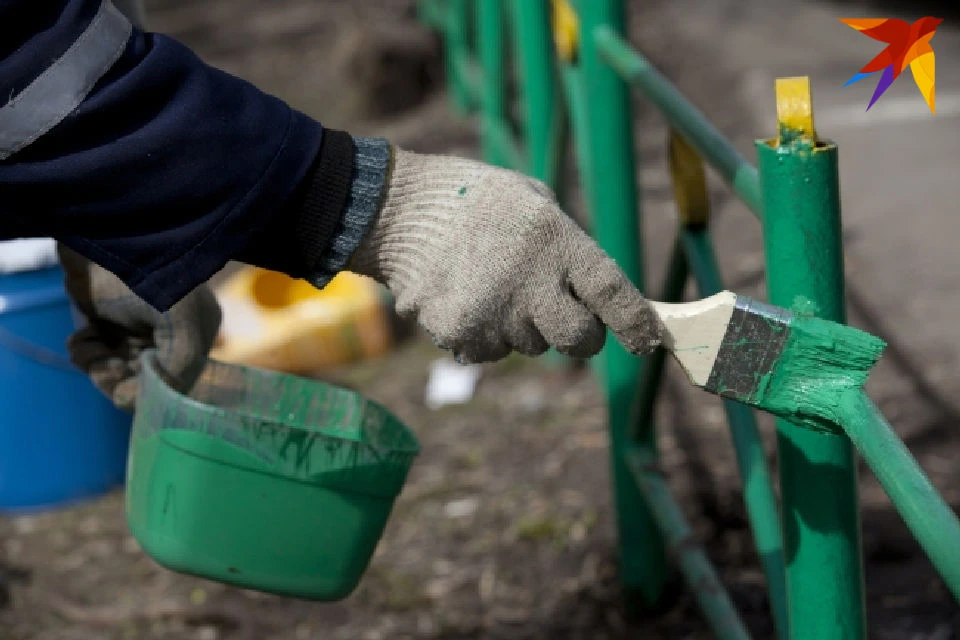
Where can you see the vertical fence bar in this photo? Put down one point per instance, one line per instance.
(758, 495)
(818, 475)
(700, 575)
(493, 104)
(457, 48)
(693, 210)
(616, 226)
(534, 46)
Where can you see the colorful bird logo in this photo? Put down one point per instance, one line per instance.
(908, 44)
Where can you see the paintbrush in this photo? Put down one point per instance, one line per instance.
(793, 365)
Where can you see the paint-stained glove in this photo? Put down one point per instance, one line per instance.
(488, 263)
(121, 326)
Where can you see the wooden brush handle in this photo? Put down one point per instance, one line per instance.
(695, 331)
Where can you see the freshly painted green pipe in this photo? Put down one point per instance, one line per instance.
(457, 56)
(494, 82)
(932, 521)
(758, 495)
(534, 47)
(681, 114)
(616, 226)
(699, 574)
(818, 472)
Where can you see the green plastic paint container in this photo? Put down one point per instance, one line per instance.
(263, 480)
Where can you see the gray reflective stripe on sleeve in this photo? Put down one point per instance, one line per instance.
(60, 89)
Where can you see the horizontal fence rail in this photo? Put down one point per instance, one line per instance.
(682, 116)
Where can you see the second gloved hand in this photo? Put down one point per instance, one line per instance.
(120, 326)
(488, 263)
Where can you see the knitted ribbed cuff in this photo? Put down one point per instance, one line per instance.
(316, 233)
(371, 163)
(296, 236)
(325, 200)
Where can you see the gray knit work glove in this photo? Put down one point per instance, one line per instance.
(488, 263)
(121, 326)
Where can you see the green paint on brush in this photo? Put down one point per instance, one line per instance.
(790, 364)
(820, 364)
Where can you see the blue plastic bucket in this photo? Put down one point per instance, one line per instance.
(61, 440)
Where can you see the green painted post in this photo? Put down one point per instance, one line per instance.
(457, 49)
(818, 474)
(616, 226)
(493, 85)
(534, 47)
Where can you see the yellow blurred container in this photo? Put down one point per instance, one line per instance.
(275, 322)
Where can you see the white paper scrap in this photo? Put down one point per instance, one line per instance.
(451, 383)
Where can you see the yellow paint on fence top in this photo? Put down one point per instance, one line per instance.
(566, 29)
(795, 107)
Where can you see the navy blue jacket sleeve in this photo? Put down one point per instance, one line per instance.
(167, 170)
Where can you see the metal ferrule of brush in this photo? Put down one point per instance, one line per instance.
(753, 342)
(750, 306)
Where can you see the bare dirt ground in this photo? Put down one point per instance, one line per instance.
(505, 529)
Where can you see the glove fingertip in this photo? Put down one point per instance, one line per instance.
(642, 337)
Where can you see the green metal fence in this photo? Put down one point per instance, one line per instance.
(571, 70)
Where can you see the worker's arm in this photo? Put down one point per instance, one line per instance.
(126, 147)
(166, 168)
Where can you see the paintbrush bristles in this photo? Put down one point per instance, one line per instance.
(793, 366)
(820, 363)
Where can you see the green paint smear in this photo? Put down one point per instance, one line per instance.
(794, 139)
(804, 305)
(822, 363)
